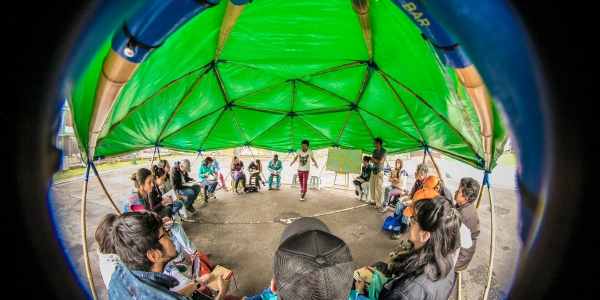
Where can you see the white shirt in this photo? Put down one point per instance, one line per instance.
(304, 159)
(107, 264)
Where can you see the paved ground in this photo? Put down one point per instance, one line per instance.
(242, 232)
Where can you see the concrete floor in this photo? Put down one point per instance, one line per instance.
(242, 232)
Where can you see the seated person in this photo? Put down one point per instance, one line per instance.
(216, 167)
(420, 175)
(139, 200)
(143, 182)
(396, 182)
(255, 169)
(179, 177)
(238, 175)
(205, 174)
(163, 206)
(166, 186)
(310, 263)
(275, 166)
(108, 258)
(432, 182)
(142, 243)
(428, 268)
(362, 182)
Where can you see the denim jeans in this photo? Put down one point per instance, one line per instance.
(190, 194)
(278, 184)
(386, 194)
(399, 209)
(181, 240)
(133, 284)
(177, 205)
(236, 180)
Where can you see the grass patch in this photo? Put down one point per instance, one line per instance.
(508, 159)
(142, 163)
(79, 172)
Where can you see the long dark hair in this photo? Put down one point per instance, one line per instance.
(140, 176)
(435, 257)
(134, 234)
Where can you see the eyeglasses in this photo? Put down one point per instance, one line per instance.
(167, 232)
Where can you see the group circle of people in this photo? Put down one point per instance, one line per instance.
(141, 251)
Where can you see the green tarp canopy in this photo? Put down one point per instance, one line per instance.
(290, 70)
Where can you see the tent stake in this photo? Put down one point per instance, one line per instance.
(104, 189)
(83, 231)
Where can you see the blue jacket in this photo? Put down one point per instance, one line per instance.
(275, 167)
(132, 284)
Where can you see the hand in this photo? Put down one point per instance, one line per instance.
(204, 279)
(360, 285)
(223, 284)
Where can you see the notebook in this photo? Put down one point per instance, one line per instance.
(218, 271)
(169, 193)
(364, 272)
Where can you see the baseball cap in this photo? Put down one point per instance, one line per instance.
(424, 193)
(430, 182)
(312, 263)
(186, 165)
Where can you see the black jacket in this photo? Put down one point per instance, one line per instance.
(175, 175)
(409, 286)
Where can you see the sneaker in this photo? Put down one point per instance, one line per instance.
(190, 209)
(277, 188)
(211, 195)
(383, 209)
(270, 188)
(356, 192)
(302, 197)
(396, 236)
(236, 192)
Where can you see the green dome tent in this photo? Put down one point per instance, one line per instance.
(269, 74)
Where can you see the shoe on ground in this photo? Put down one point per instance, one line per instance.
(236, 192)
(356, 192)
(270, 188)
(372, 203)
(277, 188)
(396, 236)
(190, 209)
(189, 220)
(302, 197)
(383, 209)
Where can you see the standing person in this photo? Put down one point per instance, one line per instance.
(145, 248)
(216, 167)
(255, 169)
(275, 167)
(303, 166)
(362, 182)
(237, 173)
(179, 176)
(465, 197)
(204, 174)
(376, 181)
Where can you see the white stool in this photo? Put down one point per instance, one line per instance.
(295, 182)
(315, 182)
